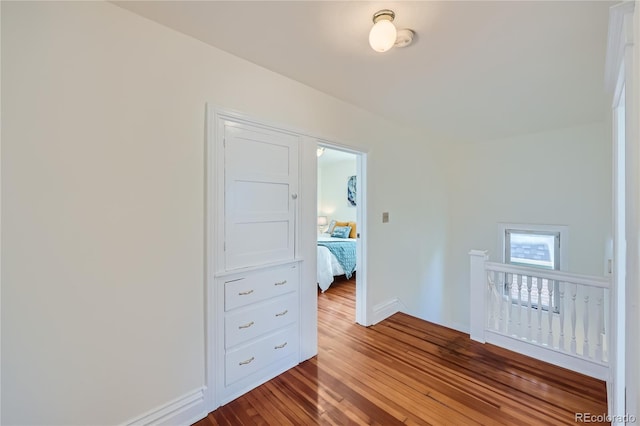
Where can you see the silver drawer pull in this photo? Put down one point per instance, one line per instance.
(280, 346)
(247, 361)
(244, 293)
(282, 313)
(281, 283)
(246, 325)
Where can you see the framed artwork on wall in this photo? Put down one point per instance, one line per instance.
(351, 191)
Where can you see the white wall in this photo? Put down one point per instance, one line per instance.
(333, 190)
(103, 205)
(561, 177)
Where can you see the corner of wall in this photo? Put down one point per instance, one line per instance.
(384, 310)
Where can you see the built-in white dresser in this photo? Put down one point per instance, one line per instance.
(261, 333)
(257, 279)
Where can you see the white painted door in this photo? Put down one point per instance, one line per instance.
(261, 191)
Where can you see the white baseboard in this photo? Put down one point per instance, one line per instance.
(384, 310)
(568, 361)
(184, 410)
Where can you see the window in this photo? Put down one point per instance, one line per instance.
(534, 246)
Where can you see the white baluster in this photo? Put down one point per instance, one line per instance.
(585, 320)
(490, 300)
(505, 304)
(519, 333)
(600, 328)
(529, 306)
(539, 335)
(550, 284)
(574, 290)
(561, 288)
(509, 284)
(499, 291)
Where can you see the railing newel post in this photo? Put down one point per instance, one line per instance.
(478, 294)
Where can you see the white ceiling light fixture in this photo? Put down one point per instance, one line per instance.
(383, 35)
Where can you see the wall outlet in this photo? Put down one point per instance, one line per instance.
(385, 217)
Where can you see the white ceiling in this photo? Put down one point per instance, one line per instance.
(478, 70)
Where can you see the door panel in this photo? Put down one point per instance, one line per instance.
(255, 198)
(261, 183)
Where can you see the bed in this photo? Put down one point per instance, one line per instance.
(336, 256)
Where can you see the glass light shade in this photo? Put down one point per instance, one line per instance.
(382, 36)
(322, 221)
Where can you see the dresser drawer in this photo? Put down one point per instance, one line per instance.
(249, 359)
(241, 290)
(246, 324)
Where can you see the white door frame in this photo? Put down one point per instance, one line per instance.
(306, 239)
(362, 314)
(617, 352)
(621, 80)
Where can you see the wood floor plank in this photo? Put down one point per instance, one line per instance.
(407, 371)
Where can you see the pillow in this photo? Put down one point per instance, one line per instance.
(332, 225)
(352, 233)
(341, 232)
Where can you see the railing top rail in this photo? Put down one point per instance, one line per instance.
(587, 280)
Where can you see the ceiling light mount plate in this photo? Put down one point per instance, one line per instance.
(384, 15)
(404, 37)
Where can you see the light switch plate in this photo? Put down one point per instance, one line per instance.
(385, 217)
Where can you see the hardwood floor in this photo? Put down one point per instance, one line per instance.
(406, 371)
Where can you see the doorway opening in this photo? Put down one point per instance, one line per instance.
(341, 207)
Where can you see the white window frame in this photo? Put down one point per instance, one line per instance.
(562, 231)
